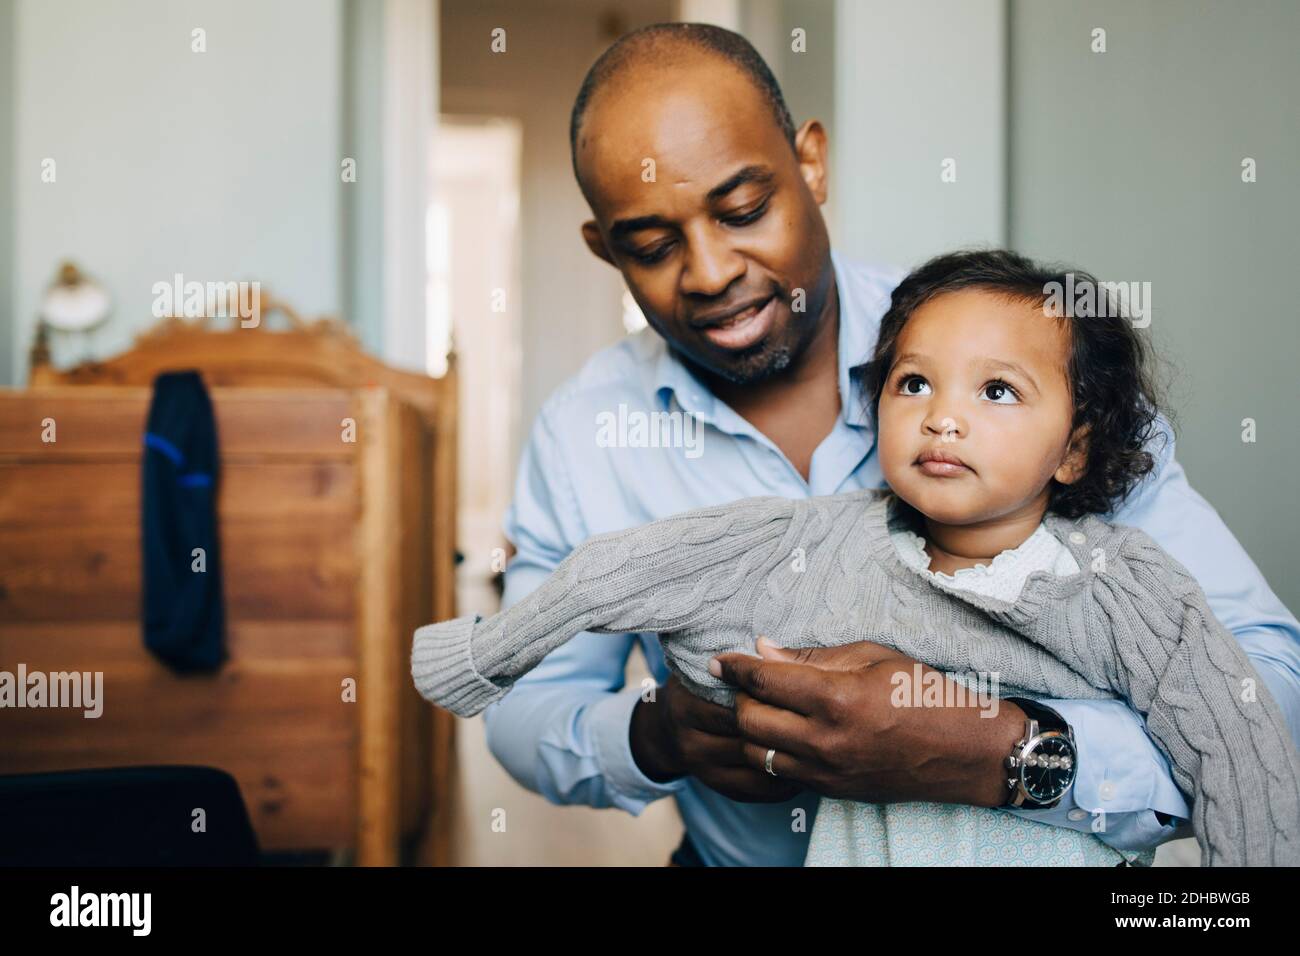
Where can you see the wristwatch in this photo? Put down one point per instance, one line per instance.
(1042, 764)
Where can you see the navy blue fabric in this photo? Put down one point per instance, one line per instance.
(184, 614)
(686, 854)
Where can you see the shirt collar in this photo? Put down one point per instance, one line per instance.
(672, 379)
(859, 322)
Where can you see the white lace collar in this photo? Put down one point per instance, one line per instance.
(1004, 576)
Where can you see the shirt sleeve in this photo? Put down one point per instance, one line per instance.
(563, 731)
(1124, 780)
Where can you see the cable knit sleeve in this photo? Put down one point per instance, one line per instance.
(664, 576)
(1205, 705)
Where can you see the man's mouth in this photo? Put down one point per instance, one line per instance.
(743, 328)
(942, 464)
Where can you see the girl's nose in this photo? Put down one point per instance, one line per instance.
(945, 427)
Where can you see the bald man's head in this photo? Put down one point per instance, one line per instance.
(705, 199)
(665, 45)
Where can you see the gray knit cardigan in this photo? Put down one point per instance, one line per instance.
(823, 572)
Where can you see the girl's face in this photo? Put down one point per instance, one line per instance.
(975, 415)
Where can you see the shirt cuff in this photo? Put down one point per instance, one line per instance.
(611, 722)
(1121, 780)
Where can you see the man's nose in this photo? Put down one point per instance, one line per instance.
(711, 267)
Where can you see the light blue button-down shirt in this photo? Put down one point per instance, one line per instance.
(563, 729)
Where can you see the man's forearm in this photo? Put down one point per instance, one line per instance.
(988, 741)
(564, 729)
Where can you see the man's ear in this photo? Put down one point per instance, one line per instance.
(1075, 463)
(810, 149)
(595, 242)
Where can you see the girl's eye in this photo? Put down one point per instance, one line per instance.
(914, 385)
(1001, 393)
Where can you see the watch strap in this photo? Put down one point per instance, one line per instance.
(1047, 718)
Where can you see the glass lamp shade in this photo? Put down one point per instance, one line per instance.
(76, 305)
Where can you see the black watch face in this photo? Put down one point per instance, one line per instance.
(1049, 770)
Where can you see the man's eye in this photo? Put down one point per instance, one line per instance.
(1001, 393)
(745, 219)
(654, 255)
(913, 385)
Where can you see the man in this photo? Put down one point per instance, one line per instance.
(706, 199)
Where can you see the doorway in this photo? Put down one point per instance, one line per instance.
(474, 309)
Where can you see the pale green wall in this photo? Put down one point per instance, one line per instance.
(361, 264)
(808, 78)
(6, 192)
(1128, 163)
(221, 165)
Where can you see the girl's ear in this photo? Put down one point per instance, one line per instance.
(1075, 463)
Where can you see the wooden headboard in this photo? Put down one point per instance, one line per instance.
(324, 561)
(323, 353)
(305, 607)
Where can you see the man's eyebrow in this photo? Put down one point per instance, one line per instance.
(747, 174)
(623, 227)
(754, 173)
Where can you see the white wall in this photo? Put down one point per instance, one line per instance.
(571, 302)
(6, 193)
(362, 262)
(408, 114)
(918, 83)
(221, 165)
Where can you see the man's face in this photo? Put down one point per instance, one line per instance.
(725, 250)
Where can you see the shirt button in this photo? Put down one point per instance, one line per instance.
(1078, 537)
(1107, 790)
(1076, 815)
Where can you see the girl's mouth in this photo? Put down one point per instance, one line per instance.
(942, 464)
(944, 469)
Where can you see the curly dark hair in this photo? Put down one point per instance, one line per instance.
(1109, 369)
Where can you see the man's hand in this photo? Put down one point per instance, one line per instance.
(828, 713)
(679, 733)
